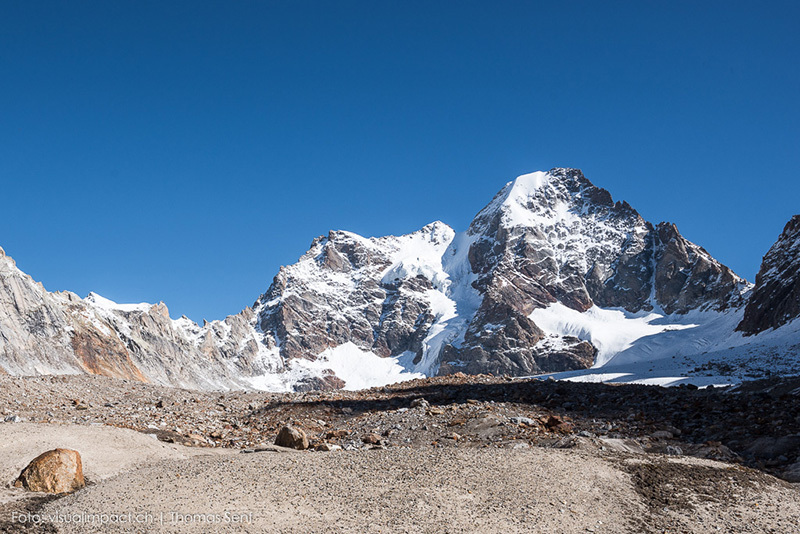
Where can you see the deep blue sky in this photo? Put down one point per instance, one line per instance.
(183, 151)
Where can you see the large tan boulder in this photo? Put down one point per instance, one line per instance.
(56, 471)
(292, 438)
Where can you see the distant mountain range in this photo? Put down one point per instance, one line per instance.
(552, 276)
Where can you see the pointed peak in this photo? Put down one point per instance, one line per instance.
(437, 231)
(792, 227)
(666, 226)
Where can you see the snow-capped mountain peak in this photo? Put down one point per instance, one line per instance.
(551, 275)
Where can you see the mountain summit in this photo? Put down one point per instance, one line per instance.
(552, 275)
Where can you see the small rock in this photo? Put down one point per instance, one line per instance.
(556, 423)
(327, 447)
(622, 445)
(371, 439)
(435, 411)
(661, 434)
(523, 421)
(420, 403)
(792, 473)
(292, 438)
(13, 419)
(673, 450)
(196, 439)
(55, 471)
(553, 421)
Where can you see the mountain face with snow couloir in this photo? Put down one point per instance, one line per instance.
(501, 298)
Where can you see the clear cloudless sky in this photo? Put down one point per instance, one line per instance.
(183, 151)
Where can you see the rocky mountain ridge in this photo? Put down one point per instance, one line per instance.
(432, 302)
(61, 333)
(776, 297)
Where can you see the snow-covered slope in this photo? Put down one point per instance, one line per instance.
(699, 347)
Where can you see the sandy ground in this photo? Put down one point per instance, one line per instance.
(161, 487)
(105, 451)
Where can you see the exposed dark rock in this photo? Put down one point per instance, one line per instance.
(776, 297)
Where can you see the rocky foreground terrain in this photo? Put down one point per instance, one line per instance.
(454, 418)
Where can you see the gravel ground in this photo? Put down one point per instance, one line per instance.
(449, 454)
(437, 491)
(757, 425)
(105, 451)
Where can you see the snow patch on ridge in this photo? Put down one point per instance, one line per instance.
(109, 305)
(360, 369)
(516, 205)
(420, 253)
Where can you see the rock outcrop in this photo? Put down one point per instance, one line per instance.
(776, 297)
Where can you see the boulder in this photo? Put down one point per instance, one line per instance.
(371, 439)
(56, 471)
(768, 448)
(292, 438)
(327, 447)
(792, 473)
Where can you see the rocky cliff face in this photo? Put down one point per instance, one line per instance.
(776, 297)
(60, 333)
(555, 237)
(435, 300)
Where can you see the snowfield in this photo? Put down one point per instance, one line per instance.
(700, 347)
